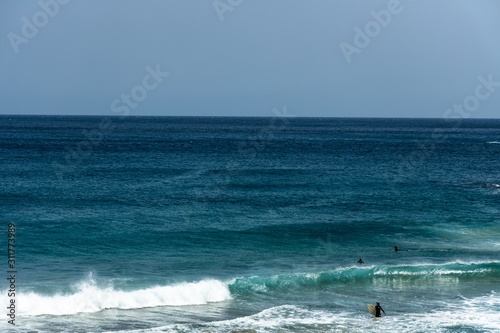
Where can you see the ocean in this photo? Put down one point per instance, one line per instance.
(213, 224)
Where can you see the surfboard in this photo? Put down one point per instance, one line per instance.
(371, 308)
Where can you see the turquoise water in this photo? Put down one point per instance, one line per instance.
(178, 224)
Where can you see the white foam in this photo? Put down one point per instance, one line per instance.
(481, 313)
(270, 320)
(433, 272)
(91, 298)
(279, 316)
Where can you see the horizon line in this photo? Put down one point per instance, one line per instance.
(219, 116)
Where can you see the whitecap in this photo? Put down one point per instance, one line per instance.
(89, 297)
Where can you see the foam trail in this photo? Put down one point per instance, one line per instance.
(92, 298)
(480, 314)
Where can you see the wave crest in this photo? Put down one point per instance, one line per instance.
(89, 297)
(368, 274)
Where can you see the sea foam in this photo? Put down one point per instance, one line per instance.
(89, 297)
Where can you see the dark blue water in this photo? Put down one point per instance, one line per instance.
(186, 224)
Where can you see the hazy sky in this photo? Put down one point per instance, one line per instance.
(245, 57)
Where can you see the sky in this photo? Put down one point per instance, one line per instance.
(316, 58)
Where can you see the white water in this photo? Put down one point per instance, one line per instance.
(480, 313)
(91, 298)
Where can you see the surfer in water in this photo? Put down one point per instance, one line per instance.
(396, 249)
(360, 261)
(377, 310)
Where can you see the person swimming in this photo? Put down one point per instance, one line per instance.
(396, 249)
(360, 261)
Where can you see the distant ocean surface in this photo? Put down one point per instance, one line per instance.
(201, 224)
